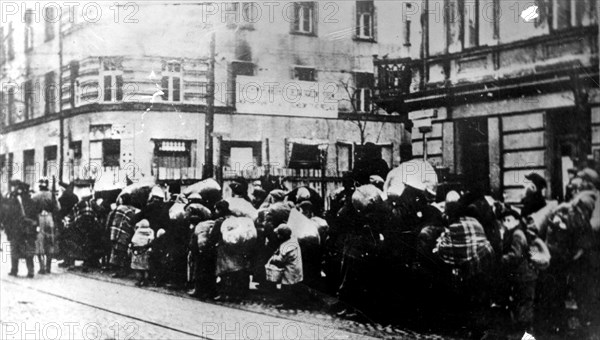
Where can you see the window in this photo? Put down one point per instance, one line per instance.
(304, 73)
(50, 164)
(363, 94)
(241, 154)
(28, 38)
(364, 19)
(29, 167)
(50, 93)
(386, 151)
(75, 152)
(407, 22)
(470, 17)
(2, 47)
(344, 156)
(304, 18)
(111, 152)
(49, 17)
(29, 100)
(3, 168)
(171, 81)
(3, 115)
(304, 156)
(112, 71)
(9, 167)
(106, 152)
(10, 42)
(562, 14)
(74, 96)
(175, 154)
(238, 68)
(12, 109)
(29, 15)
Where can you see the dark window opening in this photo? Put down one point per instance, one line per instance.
(304, 156)
(304, 73)
(50, 92)
(111, 152)
(49, 18)
(50, 158)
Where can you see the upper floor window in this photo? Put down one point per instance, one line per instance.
(364, 92)
(112, 78)
(470, 18)
(10, 42)
(49, 17)
(573, 13)
(407, 23)
(12, 109)
(29, 15)
(50, 92)
(29, 99)
(171, 81)
(365, 12)
(106, 152)
(28, 38)
(304, 73)
(304, 18)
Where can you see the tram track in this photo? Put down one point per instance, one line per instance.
(107, 310)
(332, 329)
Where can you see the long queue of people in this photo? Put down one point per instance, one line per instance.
(382, 246)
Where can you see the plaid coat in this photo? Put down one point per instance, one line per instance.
(84, 239)
(464, 246)
(120, 224)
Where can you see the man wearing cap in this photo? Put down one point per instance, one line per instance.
(534, 199)
(46, 209)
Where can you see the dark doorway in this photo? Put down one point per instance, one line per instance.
(472, 153)
(569, 143)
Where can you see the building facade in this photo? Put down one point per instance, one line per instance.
(113, 92)
(501, 89)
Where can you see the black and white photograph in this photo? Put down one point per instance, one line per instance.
(276, 169)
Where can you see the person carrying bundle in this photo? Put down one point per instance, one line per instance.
(288, 257)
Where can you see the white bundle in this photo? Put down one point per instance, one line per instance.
(238, 230)
(241, 208)
(303, 228)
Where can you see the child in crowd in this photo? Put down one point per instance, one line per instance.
(520, 273)
(140, 247)
(288, 257)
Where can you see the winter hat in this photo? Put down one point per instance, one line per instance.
(142, 224)
(591, 176)
(539, 181)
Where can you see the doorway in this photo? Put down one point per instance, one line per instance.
(569, 143)
(472, 152)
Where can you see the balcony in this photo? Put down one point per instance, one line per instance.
(544, 63)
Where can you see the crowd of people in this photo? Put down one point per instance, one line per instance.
(383, 245)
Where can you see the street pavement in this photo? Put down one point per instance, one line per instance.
(72, 305)
(77, 307)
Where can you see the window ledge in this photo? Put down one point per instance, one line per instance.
(365, 39)
(303, 33)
